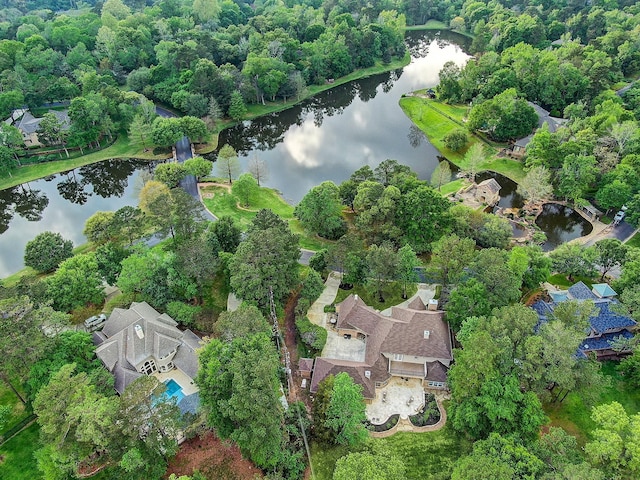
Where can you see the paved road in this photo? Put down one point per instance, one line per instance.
(623, 231)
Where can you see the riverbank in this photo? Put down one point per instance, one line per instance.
(437, 25)
(437, 119)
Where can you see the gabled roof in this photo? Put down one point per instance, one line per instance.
(305, 364)
(401, 333)
(436, 372)
(580, 291)
(324, 367)
(29, 124)
(132, 336)
(607, 319)
(408, 338)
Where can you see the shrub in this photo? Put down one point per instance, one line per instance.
(456, 140)
(46, 251)
(312, 335)
(183, 313)
(330, 308)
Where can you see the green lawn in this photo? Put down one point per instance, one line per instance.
(634, 241)
(452, 187)
(392, 294)
(561, 281)
(120, 149)
(221, 202)
(437, 119)
(18, 412)
(18, 462)
(429, 455)
(575, 417)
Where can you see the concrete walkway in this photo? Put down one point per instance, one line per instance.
(316, 311)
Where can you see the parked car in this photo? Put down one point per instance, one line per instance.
(619, 217)
(95, 322)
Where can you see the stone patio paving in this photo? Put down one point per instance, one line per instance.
(397, 400)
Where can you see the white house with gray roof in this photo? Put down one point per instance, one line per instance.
(141, 341)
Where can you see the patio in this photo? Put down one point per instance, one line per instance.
(187, 384)
(339, 347)
(405, 397)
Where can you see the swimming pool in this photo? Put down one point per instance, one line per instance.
(174, 390)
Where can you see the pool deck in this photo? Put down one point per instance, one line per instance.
(187, 384)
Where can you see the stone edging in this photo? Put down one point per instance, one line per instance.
(405, 425)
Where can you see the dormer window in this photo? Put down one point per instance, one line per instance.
(398, 357)
(426, 334)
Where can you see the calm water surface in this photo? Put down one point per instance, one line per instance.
(324, 138)
(333, 134)
(62, 203)
(561, 224)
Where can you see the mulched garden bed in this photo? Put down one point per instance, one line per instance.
(388, 425)
(429, 415)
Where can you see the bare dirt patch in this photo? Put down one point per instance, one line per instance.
(214, 458)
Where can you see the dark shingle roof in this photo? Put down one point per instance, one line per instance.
(603, 342)
(608, 320)
(436, 372)
(580, 291)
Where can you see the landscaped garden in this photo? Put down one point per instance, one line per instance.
(221, 202)
(429, 415)
(438, 119)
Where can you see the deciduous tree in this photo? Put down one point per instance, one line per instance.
(320, 211)
(345, 414)
(45, 252)
(227, 164)
(245, 188)
(76, 283)
(379, 466)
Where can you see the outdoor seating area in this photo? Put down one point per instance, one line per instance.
(403, 396)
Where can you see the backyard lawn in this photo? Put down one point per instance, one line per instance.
(429, 455)
(17, 462)
(220, 202)
(437, 119)
(392, 294)
(575, 417)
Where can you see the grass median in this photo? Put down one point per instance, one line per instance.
(437, 119)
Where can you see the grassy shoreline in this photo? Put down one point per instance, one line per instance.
(219, 201)
(121, 148)
(437, 119)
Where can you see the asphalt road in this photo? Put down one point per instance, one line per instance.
(622, 232)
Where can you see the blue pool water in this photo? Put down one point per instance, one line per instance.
(174, 390)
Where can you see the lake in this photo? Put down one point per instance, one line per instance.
(326, 137)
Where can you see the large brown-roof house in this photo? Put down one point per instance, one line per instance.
(411, 342)
(141, 341)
